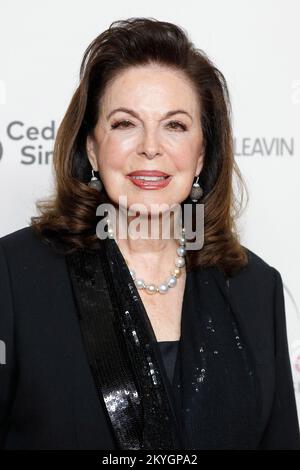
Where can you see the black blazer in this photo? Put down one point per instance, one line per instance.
(48, 398)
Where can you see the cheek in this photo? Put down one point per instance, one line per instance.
(111, 158)
(115, 148)
(114, 152)
(184, 161)
(120, 141)
(184, 153)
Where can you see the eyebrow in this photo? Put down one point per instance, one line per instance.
(135, 114)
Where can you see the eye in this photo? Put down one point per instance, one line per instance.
(178, 124)
(117, 124)
(126, 124)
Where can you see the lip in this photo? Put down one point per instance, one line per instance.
(149, 184)
(148, 173)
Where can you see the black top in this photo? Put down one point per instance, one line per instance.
(48, 399)
(169, 351)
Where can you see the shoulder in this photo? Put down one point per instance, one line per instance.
(34, 280)
(254, 290)
(257, 274)
(23, 238)
(257, 291)
(24, 250)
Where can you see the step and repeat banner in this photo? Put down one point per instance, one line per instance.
(256, 46)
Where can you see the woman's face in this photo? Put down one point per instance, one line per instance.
(143, 137)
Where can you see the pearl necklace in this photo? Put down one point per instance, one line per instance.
(163, 288)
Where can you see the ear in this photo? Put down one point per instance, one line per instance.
(90, 150)
(200, 161)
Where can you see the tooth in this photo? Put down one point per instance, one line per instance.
(149, 178)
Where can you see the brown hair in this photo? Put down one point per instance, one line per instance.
(67, 220)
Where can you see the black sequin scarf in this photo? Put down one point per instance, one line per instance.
(213, 401)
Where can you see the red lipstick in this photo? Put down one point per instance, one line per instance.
(149, 179)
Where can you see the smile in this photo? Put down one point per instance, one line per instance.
(150, 182)
(149, 178)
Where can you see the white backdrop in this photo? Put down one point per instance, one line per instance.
(254, 43)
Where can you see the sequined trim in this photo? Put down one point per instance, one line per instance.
(119, 345)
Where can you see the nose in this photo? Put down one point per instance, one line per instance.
(150, 145)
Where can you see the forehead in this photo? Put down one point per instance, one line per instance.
(151, 88)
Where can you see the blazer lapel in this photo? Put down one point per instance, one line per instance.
(119, 341)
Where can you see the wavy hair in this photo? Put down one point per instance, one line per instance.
(67, 220)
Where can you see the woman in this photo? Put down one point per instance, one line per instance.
(138, 342)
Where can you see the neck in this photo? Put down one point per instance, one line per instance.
(151, 256)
